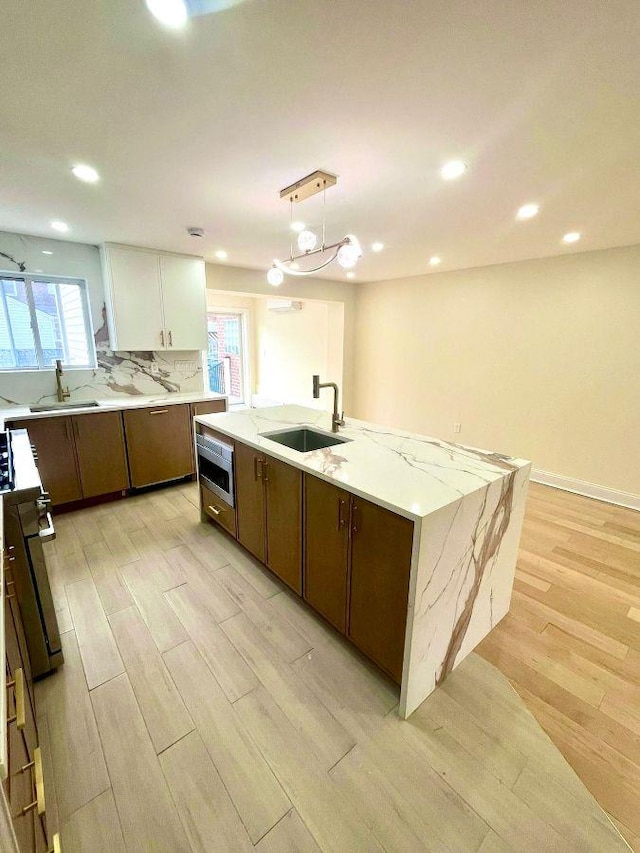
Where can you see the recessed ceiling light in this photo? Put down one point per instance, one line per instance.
(57, 225)
(351, 275)
(171, 13)
(377, 247)
(221, 255)
(85, 173)
(528, 211)
(297, 227)
(434, 261)
(453, 169)
(46, 252)
(571, 237)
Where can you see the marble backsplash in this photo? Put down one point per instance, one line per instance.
(117, 374)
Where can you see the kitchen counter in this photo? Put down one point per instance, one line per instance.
(410, 474)
(467, 507)
(108, 404)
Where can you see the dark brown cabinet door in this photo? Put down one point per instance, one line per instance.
(380, 564)
(100, 449)
(208, 407)
(159, 443)
(249, 496)
(283, 485)
(326, 525)
(53, 439)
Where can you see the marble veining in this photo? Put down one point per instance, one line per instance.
(467, 506)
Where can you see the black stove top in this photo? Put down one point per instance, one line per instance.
(6, 464)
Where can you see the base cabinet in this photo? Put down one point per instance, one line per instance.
(159, 444)
(54, 443)
(356, 570)
(326, 536)
(25, 800)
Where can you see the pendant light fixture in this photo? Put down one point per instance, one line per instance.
(346, 251)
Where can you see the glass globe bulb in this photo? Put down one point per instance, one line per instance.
(349, 253)
(275, 276)
(307, 241)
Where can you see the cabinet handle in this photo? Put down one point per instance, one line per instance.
(39, 803)
(55, 844)
(341, 520)
(170, 338)
(19, 718)
(162, 337)
(159, 412)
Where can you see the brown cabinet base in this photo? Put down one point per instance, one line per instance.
(218, 510)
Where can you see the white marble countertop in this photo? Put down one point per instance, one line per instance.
(410, 474)
(109, 404)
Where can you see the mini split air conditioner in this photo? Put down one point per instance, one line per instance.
(284, 306)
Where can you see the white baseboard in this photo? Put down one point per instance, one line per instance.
(589, 490)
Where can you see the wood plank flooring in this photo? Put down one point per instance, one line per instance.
(204, 707)
(571, 642)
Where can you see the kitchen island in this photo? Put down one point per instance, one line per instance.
(463, 510)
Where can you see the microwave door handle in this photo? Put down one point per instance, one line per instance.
(49, 532)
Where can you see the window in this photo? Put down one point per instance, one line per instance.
(226, 355)
(42, 319)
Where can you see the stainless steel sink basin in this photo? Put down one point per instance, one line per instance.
(304, 439)
(55, 407)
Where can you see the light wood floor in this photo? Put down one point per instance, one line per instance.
(571, 643)
(203, 707)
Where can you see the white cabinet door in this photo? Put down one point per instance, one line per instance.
(184, 302)
(133, 287)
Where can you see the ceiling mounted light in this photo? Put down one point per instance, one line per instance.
(171, 13)
(571, 237)
(307, 241)
(221, 255)
(57, 225)
(434, 261)
(85, 173)
(452, 170)
(346, 251)
(377, 247)
(275, 277)
(527, 211)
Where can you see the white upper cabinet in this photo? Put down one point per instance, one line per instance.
(155, 301)
(184, 301)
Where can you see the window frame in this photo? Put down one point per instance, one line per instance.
(42, 278)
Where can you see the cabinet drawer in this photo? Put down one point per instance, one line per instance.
(218, 510)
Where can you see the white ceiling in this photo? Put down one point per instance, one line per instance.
(204, 126)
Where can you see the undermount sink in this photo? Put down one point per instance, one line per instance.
(54, 407)
(304, 439)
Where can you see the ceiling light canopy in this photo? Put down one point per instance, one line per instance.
(528, 211)
(377, 247)
(85, 173)
(452, 170)
(58, 225)
(171, 13)
(571, 237)
(346, 251)
(434, 261)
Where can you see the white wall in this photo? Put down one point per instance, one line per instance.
(539, 359)
(341, 297)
